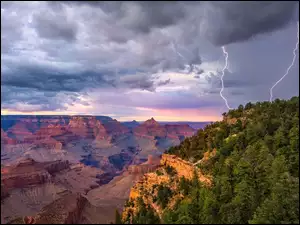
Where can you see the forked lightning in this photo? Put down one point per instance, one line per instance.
(223, 73)
(288, 69)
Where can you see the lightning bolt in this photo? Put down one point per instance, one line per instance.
(174, 49)
(184, 59)
(223, 73)
(288, 69)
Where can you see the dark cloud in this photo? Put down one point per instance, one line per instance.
(162, 83)
(17, 98)
(138, 81)
(51, 79)
(200, 71)
(55, 48)
(55, 25)
(230, 22)
(142, 16)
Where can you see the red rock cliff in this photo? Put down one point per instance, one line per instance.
(28, 172)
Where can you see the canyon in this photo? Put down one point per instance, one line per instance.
(97, 159)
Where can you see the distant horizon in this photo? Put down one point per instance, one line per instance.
(139, 121)
(160, 115)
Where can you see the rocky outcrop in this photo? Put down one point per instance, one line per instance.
(28, 172)
(152, 128)
(100, 132)
(66, 210)
(180, 130)
(24, 180)
(115, 128)
(51, 130)
(19, 131)
(5, 139)
(151, 123)
(131, 124)
(48, 143)
(146, 186)
(153, 159)
(141, 169)
(41, 138)
(69, 209)
(78, 178)
(66, 138)
(183, 168)
(149, 166)
(57, 166)
(87, 127)
(80, 126)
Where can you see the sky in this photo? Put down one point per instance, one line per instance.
(137, 60)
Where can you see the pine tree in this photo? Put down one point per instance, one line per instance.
(118, 219)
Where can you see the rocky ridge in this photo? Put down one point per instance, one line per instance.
(65, 210)
(58, 131)
(28, 172)
(152, 129)
(146, 186)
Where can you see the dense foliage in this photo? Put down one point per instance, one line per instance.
(164, 194)
(255, 169)
(170, 170)
(145, 214)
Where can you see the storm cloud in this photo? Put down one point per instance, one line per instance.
(221, 22)
(56, 55)
(230, 22)
(54, 26)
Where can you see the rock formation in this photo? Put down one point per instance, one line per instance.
(149, 166)
(180, 130)
(28, 172)
(152, 128)
(5, 139)
(114, 127)
(54, 132)
(145, 187)
(183, 168)
(66, 210)
(19, 131)
(31, 185)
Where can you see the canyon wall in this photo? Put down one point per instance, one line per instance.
(146, 187)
